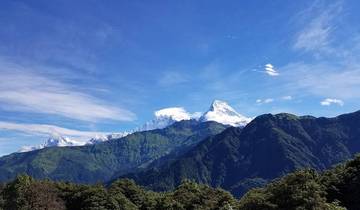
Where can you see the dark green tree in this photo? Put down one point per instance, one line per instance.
(343, 184)
(299, 191)
(16, 192)
(197, 196)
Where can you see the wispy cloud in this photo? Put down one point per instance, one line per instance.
(271, 100)
(270, 70)
(47, 130)
(319, 24)
(335, 72)
(24, 90)
(74, 44)
(329, 101)
(324, 79)
(172, 78)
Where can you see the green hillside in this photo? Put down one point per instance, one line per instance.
(269, 147)
(99, 162)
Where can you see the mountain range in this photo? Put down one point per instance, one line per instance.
(268, 147)
(236, 158)
(219, 111)
(102, 161)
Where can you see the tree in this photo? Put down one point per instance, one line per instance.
(16, 192)
(2, 186)
(299, 190)
(343, 184)
(43, 195)
(197, 196)
(24, 193)
(134, 193)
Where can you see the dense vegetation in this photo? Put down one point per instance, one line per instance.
(270, 146)
(100, 162)
(335, 189)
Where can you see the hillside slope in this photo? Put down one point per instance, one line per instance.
(268, 147)
(99, 162)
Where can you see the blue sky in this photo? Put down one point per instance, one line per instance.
(85, 67)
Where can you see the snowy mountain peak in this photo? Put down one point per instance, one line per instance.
(221, 106)
(223, 113)
(60, 141)
(54, 141)
(103, 138)
(219, 111)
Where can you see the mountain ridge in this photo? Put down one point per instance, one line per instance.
(219, 111)
(99, 162)
(268, 147)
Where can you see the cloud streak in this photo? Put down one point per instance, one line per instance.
(23, 90)
(335, 71)
(171, 78)
(315, 36)
(330, 101)
(270, 70)
(48, 130)
(323, 79)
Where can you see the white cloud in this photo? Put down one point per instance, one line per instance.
(175, 113)
(264, 101)
(48, 130)
(329, 101)
(268, 100)
(23, 90)
(287, 98)
(270, 70)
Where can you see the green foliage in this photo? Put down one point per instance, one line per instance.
(137, 195)
(190, 195)
(334, 189)
(2, 201)
(15, 193)
(24, 193)
(299, 190)
(343, 184)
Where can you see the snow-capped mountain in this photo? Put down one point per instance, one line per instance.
(219, 111)
(222, 113)
(57, 140)
(54, 141)
(102, 138)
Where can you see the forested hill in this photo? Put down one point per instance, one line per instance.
(333, 189)
(269, 147)
(100, 162)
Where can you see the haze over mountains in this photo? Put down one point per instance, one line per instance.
(219, 111)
